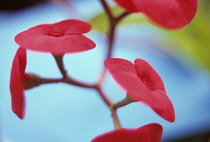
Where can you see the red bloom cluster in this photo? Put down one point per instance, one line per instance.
(147, 133)
(58, 39)
(16, 80)
(171, 14)
(142, 83)
(138, 79)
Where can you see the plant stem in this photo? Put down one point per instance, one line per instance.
(125, 101)
(115, 118)
(107, 9)
(113, 22)
(122, 15)
(112, 26)
(71, 81)
(59, 61)
(66, 78)
(49, 80)
(104, 97)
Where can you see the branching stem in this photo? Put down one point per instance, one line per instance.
(115, 118)
(59, 61)
(113, 22)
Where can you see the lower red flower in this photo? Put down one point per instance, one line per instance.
(16, 89)
(142, 83)
(147, 133)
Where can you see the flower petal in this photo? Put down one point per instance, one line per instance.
(170, 14)
(56, 46)
(156, 100)
(66, 27)
(147, 133)
(146, 71)
(156, 85)
(115, 65)
(72, 27)
(127, 4)
(17, 72)
(129, 80)
(58, 39)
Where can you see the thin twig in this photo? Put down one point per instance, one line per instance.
(71, 81)
(66, 78)
(49, 80)
(113, 21)
(115, 118)
(127, 100)
(59, 61)
(107, 9)
(121, 16)
(104, 97)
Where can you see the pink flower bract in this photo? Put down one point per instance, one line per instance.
(17, 75)
(58, 39)
(142, 83)
(171, 14)
(147, 133)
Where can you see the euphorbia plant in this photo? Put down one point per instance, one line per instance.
(142, 83)
(139, 79)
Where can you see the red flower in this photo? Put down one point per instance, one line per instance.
(172, 14)
(142, 83)
(58, 39)
(147, 133)
(16, 89)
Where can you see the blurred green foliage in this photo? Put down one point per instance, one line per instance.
(192, 42)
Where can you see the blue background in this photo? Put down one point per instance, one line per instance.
(60, 112)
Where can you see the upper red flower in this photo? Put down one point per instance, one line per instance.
(16, 89)
(142, 83)
(58, 39)
(171, 14)
(147, 133)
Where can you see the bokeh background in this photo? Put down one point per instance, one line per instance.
(64, 113)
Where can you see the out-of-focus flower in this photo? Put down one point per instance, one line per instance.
(16, 89)
(20, 81)
(147, 133)
(142, 83)
(171, 14)
(58, 38)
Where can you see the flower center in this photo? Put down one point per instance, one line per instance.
(145, 81)
(148, 83)
(56, 34)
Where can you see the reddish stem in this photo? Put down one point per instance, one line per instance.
(59, 61)
(113, 22)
